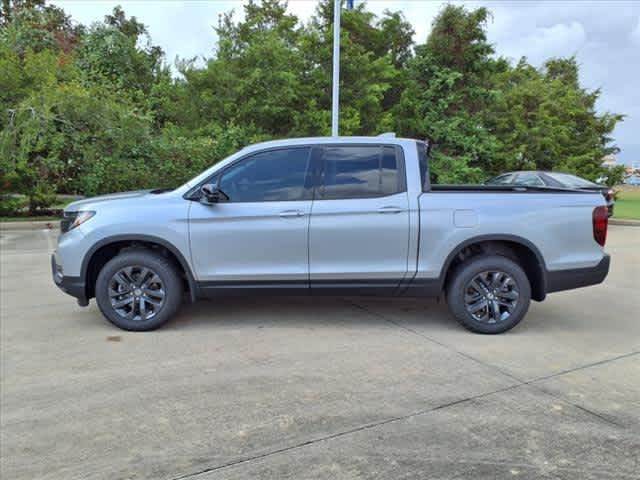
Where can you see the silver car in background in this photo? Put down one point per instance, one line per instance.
(556, 180)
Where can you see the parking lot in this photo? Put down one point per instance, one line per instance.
(299, 388)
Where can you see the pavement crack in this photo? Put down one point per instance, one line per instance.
(343, 433)
(520, 382)
(448, 347)
(583, 367)
(595, 414)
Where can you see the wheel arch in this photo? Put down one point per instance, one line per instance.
(519, 249)
(105, 249)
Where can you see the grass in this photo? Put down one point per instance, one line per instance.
(627, 205)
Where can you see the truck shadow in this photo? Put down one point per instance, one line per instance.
(424, 315)
(311, 311)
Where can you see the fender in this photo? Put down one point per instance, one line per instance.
(496, 238)
(143, 238)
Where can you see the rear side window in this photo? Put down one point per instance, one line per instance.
(501, 180)
(356, 171)
(532, 179)
(571, 180)
(270, 176)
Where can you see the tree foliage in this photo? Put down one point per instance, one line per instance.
(94, 109)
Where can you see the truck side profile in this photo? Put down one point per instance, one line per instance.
(330, 216)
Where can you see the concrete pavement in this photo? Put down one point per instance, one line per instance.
(317, 388)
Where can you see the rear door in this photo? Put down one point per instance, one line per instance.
(359, 228)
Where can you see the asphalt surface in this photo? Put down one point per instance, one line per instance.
(327, 388)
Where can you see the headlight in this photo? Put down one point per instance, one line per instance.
(71, 220)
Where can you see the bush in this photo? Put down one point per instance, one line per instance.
(176, 157)
(43, 196)
(10, 205)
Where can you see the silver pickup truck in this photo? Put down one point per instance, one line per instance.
(330, 216)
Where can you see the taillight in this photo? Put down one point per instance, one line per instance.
(600, 222)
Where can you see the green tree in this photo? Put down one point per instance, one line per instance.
(373, 54)
(32, 25)
(254, 79)
(449, 90)
(614, 175)
(545, 120)
(110, 54)
(70, 139)
(93, 110)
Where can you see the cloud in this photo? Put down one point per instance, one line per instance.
(559, 40)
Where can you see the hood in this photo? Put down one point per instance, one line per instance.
(89, 203)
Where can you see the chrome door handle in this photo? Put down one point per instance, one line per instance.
(291, 213)
(389, 210)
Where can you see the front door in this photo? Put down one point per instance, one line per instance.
(359, 229)
(259, 236)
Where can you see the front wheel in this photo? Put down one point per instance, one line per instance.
(489, 294)
(138, 290)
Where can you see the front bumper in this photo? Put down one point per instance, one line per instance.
(558, 280)
(73, 286)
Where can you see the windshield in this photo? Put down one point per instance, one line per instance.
(571, 180)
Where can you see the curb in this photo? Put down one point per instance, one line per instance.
(27, 225)
(622, 221)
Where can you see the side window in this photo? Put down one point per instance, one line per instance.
(271, 176)
(354, 171)
(501, 180)
(528, 178)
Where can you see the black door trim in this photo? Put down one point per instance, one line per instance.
(360, 287)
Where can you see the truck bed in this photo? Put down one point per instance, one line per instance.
(503, 189)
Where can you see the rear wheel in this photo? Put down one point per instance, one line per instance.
(138, 290)
(489, 294)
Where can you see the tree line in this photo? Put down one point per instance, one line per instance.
(91, 109)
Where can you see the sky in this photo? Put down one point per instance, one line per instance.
(604, 36)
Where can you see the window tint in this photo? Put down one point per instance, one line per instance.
(501, 180)
(359, 172)
(571, 180)
(272, 176)
(529, 178)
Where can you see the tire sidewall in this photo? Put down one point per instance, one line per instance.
(467, 271)
(162, 267)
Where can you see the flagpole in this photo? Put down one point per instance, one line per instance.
(336, 68)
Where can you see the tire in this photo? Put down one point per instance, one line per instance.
(145, 303)
(498, 280)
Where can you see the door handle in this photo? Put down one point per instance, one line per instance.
(389, 210)
(291, 213)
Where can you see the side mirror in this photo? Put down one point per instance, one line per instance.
(212, 194)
